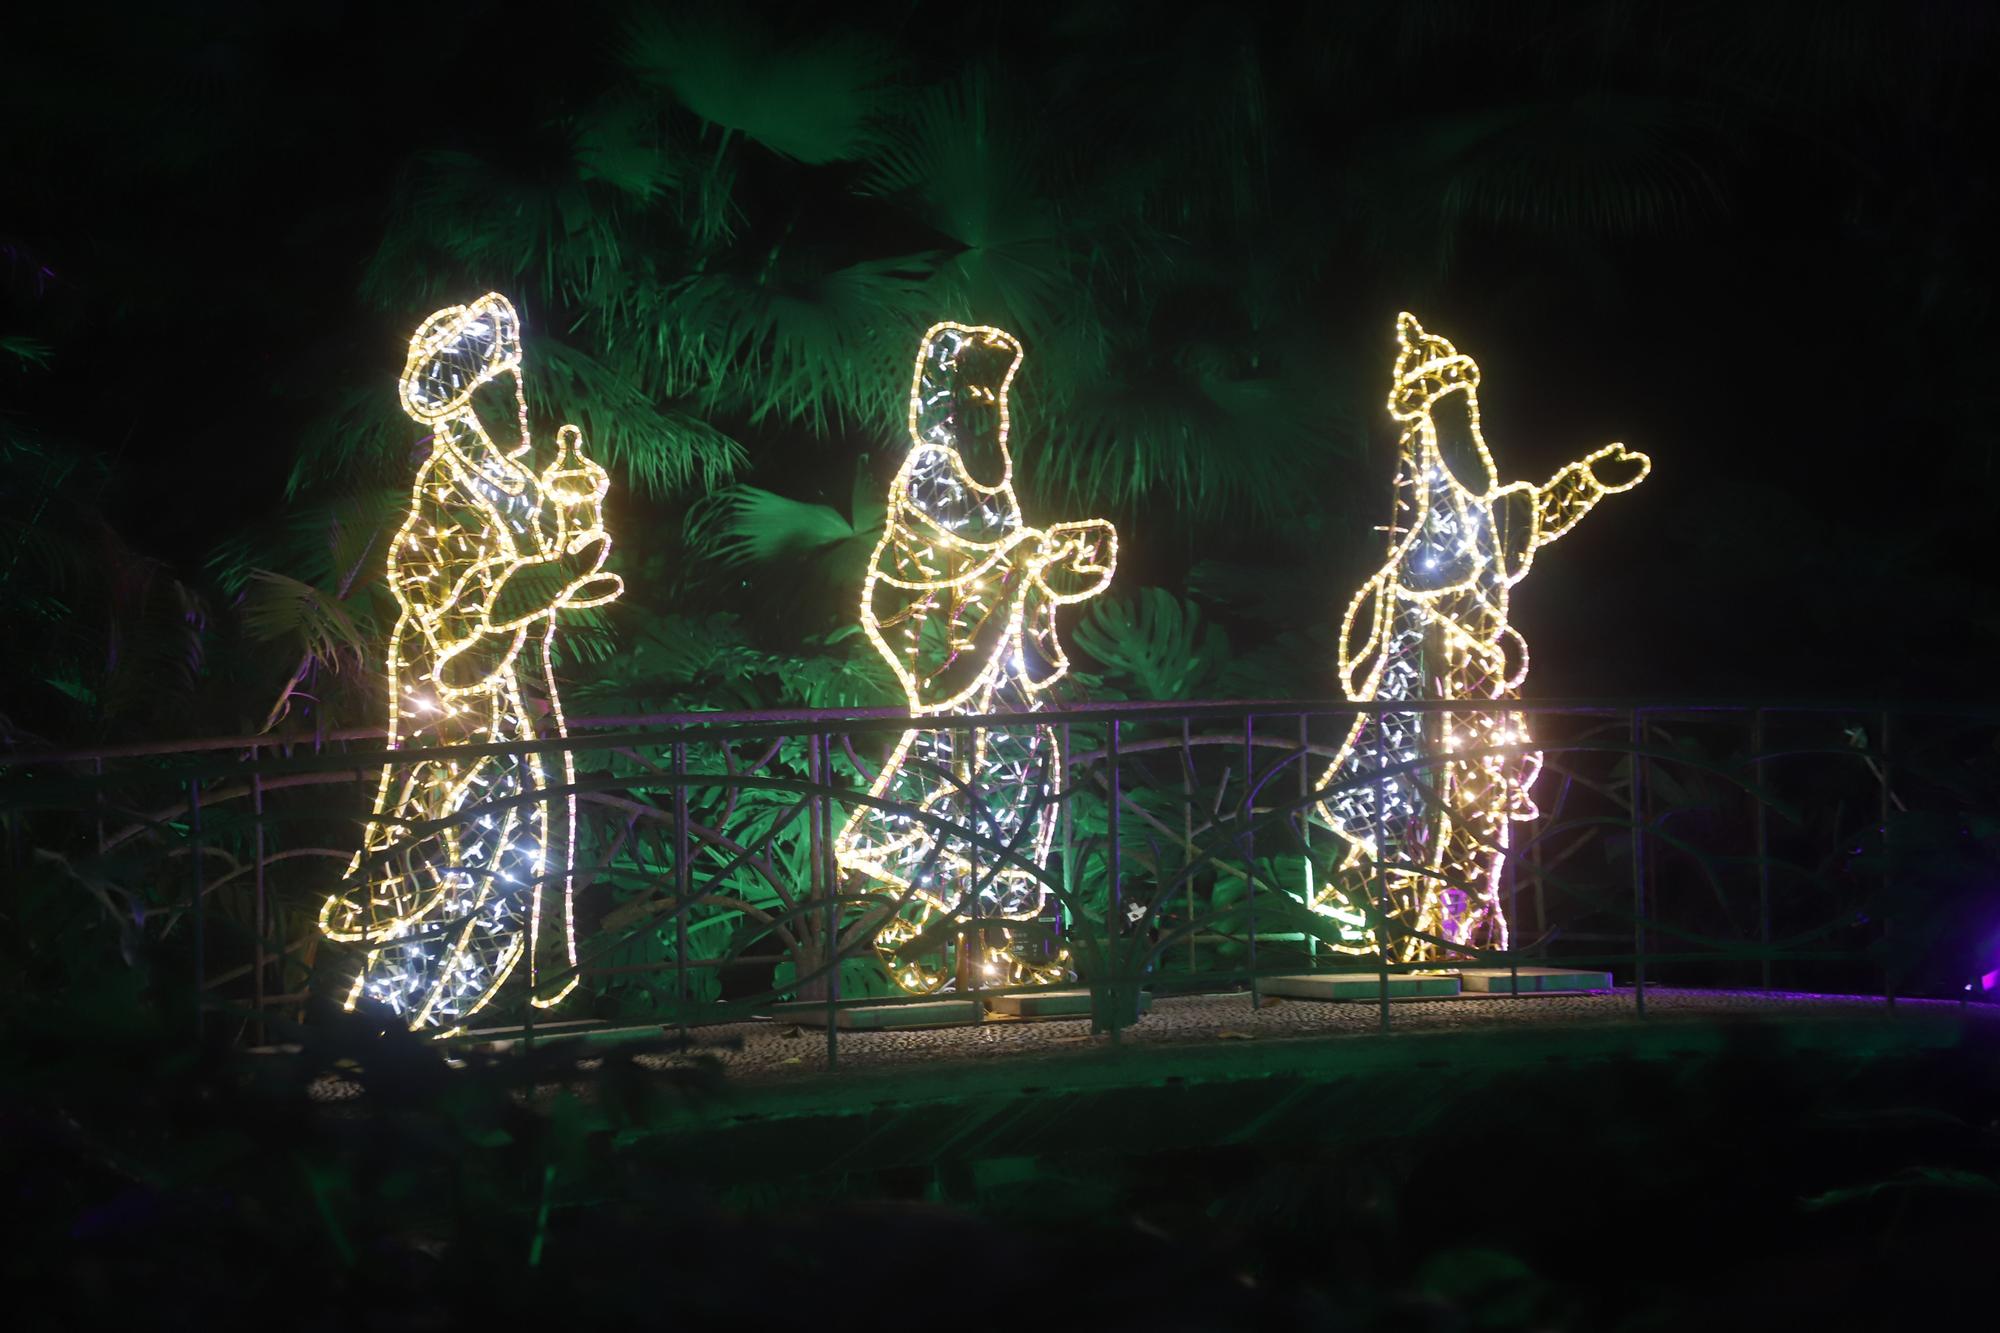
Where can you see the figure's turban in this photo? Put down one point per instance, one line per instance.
(455, 351)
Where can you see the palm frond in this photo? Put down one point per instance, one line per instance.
(747, 524)
(659, 448)
(975, 172)
(541, 214)
(1210, 433)
(335, 541)
(818, 346)
(362, 434)
(278, 608)
(1601, 164)
(814, 100)
(28, 351)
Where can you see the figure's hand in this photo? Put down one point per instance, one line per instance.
(1078, 558)
(587, 551)
(1616, 468)
(593, 591)
(571, 578)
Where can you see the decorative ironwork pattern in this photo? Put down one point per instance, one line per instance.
(1725, 845)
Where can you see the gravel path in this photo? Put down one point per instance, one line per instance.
(758, 1051)
(773, 1052)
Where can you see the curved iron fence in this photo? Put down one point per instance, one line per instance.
(1818, 847)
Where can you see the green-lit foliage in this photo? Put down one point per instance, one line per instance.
(727, 229)
(1154, 643)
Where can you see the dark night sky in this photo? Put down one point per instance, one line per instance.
(1806, 369)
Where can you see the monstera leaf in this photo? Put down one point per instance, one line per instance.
(1155, 642)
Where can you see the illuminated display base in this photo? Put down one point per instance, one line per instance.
(1052, 1004)
(1533, 980)
(931, 1013)
(1360, 986)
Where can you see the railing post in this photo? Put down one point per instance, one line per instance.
(1888, 878)
(1115, 890)
(1529, 723)
(1306, 828)
(974, 966)
(1384, 900)
(1250, 845)
(260, 912)
(1187, 831)
(1763, 822)
(1636, 726)
(1067, 814)
(830, 928)
(200, 901)
(683, 882)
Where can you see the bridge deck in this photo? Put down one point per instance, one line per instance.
(773, 1051)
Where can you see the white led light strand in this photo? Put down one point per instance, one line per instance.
(1431, 624)
(960, 600)
(447, 892)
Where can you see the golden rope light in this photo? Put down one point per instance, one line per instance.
(960, 600)
(1431, 624)
(447, 891)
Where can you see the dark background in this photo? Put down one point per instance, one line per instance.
(1752, 241)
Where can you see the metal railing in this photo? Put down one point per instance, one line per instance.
(1730, 844)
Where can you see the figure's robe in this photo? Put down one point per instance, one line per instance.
(448, 890)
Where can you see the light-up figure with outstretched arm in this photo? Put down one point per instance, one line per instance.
(1418, 794)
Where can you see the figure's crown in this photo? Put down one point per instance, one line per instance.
(455, 351)
(1426, 366)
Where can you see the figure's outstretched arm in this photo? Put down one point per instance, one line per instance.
(1572, 492)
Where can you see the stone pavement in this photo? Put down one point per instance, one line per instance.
(773, 1054)
(761, 1051)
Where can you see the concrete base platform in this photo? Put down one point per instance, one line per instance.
(1052, 1004)
(1499, 981)
(940, 1013)
(1360, 986)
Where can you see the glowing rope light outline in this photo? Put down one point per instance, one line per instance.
(1466, 617)
(554, 516)
(920, 554)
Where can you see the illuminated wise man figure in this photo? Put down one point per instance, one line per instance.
(1431, 624)
(465, 863)
(961, 601)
